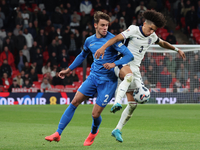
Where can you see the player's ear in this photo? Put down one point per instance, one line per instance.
(95, 25)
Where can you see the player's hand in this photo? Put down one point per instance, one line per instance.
(109, 65)
(99, 52)
(182, 54)
(62, 73)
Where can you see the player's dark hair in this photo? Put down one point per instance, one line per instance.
(101, 15)
(157, 18)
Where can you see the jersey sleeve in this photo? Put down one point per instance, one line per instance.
(155, 38)
(127, 55)
(79, 59)
(129, 32)
(119, 47)
(85, 46)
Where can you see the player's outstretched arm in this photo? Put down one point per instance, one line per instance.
(78, 60)
(167, 45)
(110, 42)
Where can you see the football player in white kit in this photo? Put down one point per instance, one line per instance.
(140, 38)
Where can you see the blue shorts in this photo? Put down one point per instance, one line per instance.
(105, 89)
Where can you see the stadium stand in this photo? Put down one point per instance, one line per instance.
(48, 24)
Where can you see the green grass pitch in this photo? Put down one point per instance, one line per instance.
(152, 127)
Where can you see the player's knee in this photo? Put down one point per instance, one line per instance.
(132, 107)
(95, 114)
(75, 102)
(129, 77)
(132, 104)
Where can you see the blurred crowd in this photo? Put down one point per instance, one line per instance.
(42, 37)
(171, 71)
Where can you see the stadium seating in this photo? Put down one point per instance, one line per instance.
(79, 71)
(158, 85)
(161, 30)
(15, 73)
(59, 86)
(76, 84)
(172, 83)
(6, 87)
(45, 57)
(38, 86)
(36, 82)
(195, 35)
(164, 35)
(195, 31)
(1, 88)
(198, 40)
(183, 22)
(40, 77)
(167, 5)
(88, 71)
(69, 86)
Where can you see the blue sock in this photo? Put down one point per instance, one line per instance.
(95, 124)
(66, 118)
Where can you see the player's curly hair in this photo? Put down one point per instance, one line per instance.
(101, 15)
(157, 18)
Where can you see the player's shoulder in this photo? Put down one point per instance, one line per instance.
(89, 39)
(153, 35)
(132, 28)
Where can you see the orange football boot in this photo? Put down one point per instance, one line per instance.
(90, 139)
(54, 137)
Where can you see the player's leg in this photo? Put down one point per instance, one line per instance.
(87, 88)
(127, 76)
(125, 116)
(105, 94)
(96, 116)
(67, 116)
(69, 112)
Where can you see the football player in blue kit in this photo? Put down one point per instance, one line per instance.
(101, 80)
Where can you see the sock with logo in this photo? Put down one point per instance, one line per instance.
(123, 87)
(126, 114)
(95, 124)
(66, 118)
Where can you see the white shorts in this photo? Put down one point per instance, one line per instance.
(137, 79)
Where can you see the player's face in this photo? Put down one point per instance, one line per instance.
(148, 29)
(101, 28)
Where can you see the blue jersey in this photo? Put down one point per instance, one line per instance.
(92, 44)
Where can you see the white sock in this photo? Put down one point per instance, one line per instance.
(123, 87)
(126, 115)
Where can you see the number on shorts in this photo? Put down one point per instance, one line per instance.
(106, 100)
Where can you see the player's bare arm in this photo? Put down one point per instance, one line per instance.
(112, 41)
(109, 65)
(167, 45)
(63, 73)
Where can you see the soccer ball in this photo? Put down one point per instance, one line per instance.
(141, 95)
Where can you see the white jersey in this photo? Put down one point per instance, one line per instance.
(138, 42)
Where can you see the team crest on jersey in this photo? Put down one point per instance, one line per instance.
(149, 42)
(127, 30)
